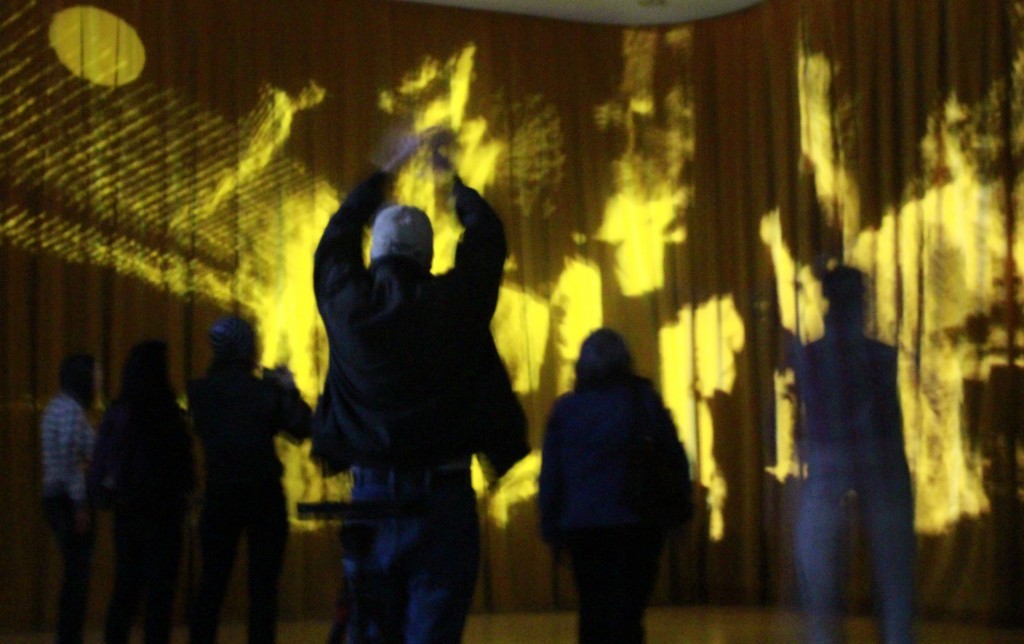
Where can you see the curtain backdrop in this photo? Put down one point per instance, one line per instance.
(165, 162)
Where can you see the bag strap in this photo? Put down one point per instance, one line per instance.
(639, 426)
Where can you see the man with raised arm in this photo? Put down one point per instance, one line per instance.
(414, 388)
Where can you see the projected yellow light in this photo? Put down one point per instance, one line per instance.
(949, 246)
(187, 215)
(822, 128)
(932, 263)
(285, 307)
(438, 94)
(801, 303)
(644, 216)
(435, 95)
(576, 311)
(518, 486)
(698, 359)
(536, 155)
(520, 331)
(645, 213)
(265, 133)
(787, 459)
(97, 46)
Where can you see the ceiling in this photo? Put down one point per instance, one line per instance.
(612, 12)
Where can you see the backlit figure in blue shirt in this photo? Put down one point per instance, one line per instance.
(852, 444)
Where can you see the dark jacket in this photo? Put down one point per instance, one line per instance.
(236, 416)
(142, 467)
(414, 378)
(586, 450)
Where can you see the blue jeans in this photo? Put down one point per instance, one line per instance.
(877, 471)
(411, 576)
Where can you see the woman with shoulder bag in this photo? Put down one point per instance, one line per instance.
(593, 446)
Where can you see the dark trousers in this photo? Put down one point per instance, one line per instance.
(260, 514)
(147, 549)
(615, 568)
(76, 550)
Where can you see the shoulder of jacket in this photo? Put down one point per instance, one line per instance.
(563, 402)
(117, 410)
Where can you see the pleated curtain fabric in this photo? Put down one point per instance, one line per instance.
(680, 184)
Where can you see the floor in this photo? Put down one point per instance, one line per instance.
(664, 626)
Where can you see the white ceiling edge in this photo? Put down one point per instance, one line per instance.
(610, 12)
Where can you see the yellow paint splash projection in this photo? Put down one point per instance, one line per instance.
(280, 295)
(576, 310)
(520, 329)
(148, 184)
(945, 268)
(438, 94)
(285, 307)
(644, 216)
(698, 359)
(265, 131)
(955, 238)
(519, 485)
(822, 130)
(801, 304)
(787, 458)
(157, 189)
(536, 156)
(802, 311)
(645, 213)
(97, 46)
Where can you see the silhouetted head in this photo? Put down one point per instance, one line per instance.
(403, 230)
(604, 358)
(232, 339)
(78, 378)
(145, 377)
(843, 286)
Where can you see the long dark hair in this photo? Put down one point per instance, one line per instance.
(78, 378)
(146, 386)
(604, 359)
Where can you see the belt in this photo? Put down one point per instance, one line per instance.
(428, 479)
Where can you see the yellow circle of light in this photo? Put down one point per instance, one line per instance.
(97, 45)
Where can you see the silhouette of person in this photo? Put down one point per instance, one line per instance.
(144, 453)
(614, 551)
(67, 440)
(414, 388)
(236, 415)
(852, 441)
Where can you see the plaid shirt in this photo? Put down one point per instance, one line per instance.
(67, 441)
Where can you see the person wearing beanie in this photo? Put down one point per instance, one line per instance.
(236, 415)
(414, 388)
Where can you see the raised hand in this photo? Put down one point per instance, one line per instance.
(396, 149)
(440, 140)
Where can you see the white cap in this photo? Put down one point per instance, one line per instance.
(403, 230)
